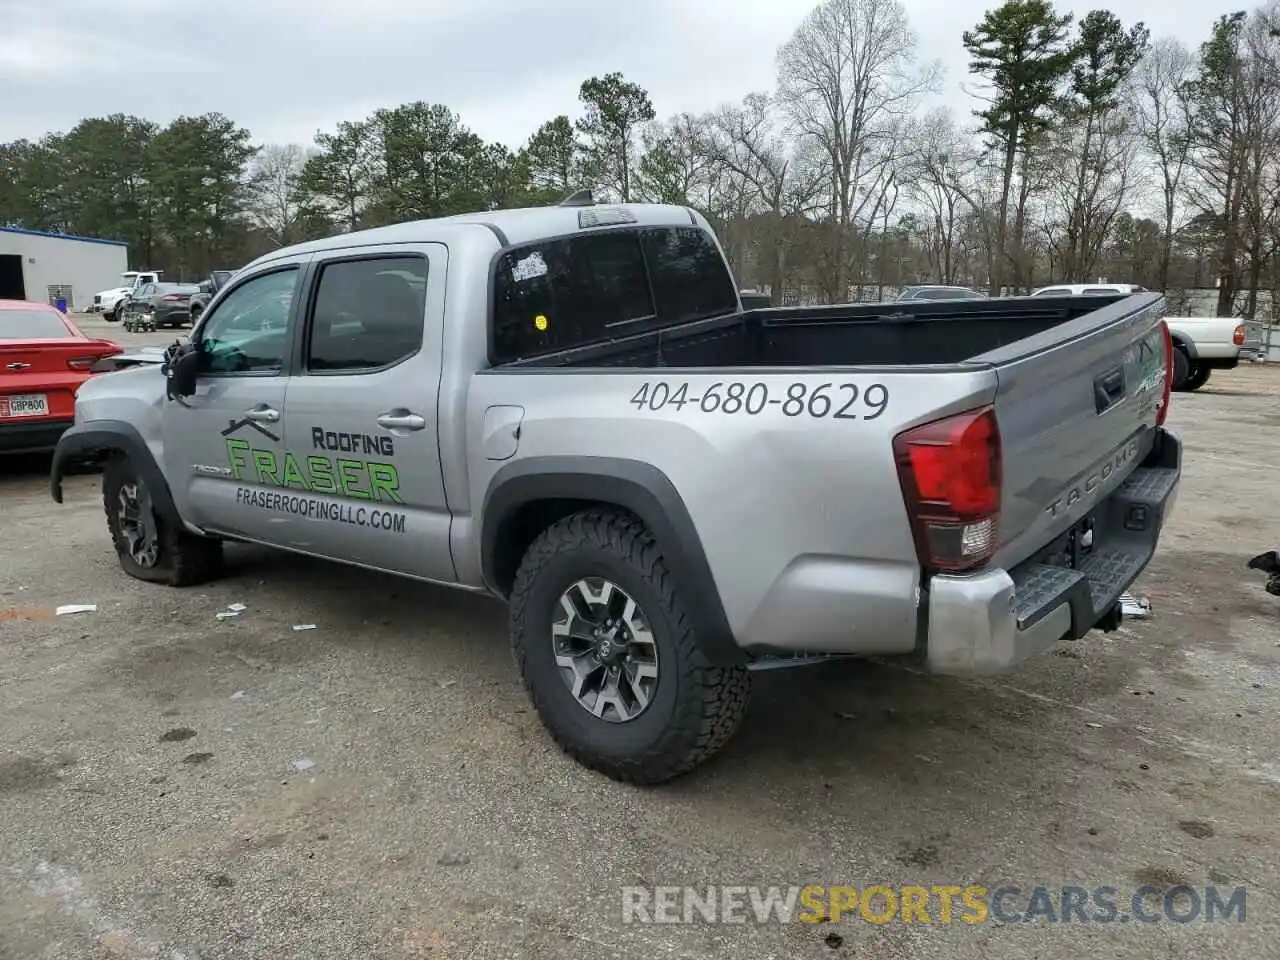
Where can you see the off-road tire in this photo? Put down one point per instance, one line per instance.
(696, 707)
(184, 558)
(1181, 368)
(1197, 378)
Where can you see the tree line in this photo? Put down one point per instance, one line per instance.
(1094, 151)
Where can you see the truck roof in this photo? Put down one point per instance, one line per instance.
(513, 226)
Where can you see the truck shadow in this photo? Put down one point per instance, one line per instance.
(847, 721)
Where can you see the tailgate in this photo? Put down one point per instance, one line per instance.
(1077, 407)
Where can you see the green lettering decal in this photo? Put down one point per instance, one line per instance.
(350, 473)
(384, 479)
(291, 475)
(264, 461)
(235, 456)
(321, 475)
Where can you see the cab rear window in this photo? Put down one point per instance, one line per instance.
(572, 291)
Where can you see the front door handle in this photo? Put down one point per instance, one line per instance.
(401, 420)
(263, 414)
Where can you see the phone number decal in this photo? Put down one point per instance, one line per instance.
(840, 401)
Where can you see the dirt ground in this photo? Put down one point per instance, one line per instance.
(152, 805)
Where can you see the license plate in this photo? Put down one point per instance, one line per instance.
(24, 405)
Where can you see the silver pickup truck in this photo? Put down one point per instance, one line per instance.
(568, 407)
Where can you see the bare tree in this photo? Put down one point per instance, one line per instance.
(846, 77)
(1087, 188)
(1262, 110)
(775, 184)
(939, 161)
(1158, 96)
(275, 177)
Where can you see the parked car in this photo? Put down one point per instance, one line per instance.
(44, 359)
(940, 292)
(217, 280)
(158, 305)
(1201, 344)
(669, 491)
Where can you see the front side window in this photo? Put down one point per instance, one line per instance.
(248, 331)
(558, 294)
(690, 279)
(368, 314)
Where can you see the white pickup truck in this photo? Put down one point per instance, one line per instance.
(106, 301)
(1201, 344)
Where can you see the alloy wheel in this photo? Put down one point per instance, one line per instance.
(605, 650)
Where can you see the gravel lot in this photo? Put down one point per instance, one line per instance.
(151, 804)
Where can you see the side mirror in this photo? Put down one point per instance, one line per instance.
(180, 368)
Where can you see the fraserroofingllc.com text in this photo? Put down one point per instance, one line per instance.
(935, 904)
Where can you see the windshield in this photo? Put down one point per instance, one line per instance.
(31, 325)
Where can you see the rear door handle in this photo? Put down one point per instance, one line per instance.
(263, 414)
(402, 420)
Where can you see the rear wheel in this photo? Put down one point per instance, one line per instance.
(1181, 367)
(149, 547)
(1197, 378)
(610, 659)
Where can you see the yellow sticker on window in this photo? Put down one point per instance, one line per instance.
(540, 322)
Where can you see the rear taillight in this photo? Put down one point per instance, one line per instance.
(1163, 412)
(1238, 336)
(87, 362)
(951, 473)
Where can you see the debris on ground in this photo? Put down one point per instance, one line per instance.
(444, 684)
(1135, 608)
(76, 608)
(226, 614)
(304, 626)
(237, 607)
(303, 764)
(238, 695)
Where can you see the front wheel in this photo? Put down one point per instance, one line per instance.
(608, 655)
(149, 547)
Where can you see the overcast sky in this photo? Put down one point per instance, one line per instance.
(287, 68)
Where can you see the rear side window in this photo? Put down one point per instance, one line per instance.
(690, 280)
(368, 314)
(564, 293)
(1053, 292)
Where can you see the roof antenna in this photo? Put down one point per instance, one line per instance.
(579, 198)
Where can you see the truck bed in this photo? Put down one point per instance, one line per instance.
(1075, 382)
(873, 334)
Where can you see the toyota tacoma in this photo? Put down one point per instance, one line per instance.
(569, 407)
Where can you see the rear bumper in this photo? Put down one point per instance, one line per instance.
(165, 316)
(18, 437)
(989, 622)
